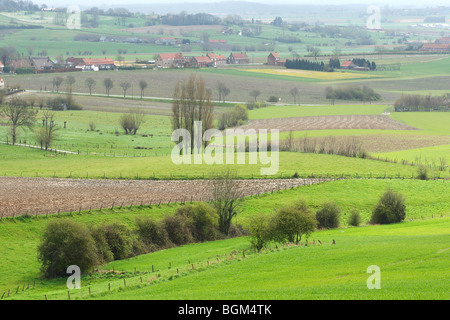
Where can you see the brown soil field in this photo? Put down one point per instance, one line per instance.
(34, 196)
(376, 143)
(328, 123)
(390, 143)
(165, 30)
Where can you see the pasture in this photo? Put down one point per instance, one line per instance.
(425, 226)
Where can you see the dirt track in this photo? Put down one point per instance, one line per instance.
(33, 196)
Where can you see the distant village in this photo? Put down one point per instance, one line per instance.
(171, 60)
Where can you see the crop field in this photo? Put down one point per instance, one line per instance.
(97, 175)
(314, 74)
(371, 122)
(25, 196)
(293, 111)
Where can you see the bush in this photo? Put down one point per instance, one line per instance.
(202, 220)
(178, 230)
(354, 219)
(104, 253)
(291, 223)
(273, 99)
(234, 117)
(328, 216)
(152, 234)
(422, 172)
(259, 231)
(116, 241)
(65, 243)
(389, 209)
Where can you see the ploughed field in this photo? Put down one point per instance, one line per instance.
(382, 122)
(33, 196)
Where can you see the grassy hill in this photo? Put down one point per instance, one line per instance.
(414, 243)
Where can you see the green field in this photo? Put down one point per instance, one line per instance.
(322, 266)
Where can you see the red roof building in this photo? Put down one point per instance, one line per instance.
(274, 59)
(443, 40)
(348, 65)
(435, 47)
(238, 58)
(201, 62)
(217, 60)
(170, 60)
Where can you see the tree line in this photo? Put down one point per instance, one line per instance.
(415, 102)
(304, 64)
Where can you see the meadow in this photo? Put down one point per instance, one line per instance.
(425, 226)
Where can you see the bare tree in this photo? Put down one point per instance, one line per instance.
(223, 90)
(90, 83)
(294, 92)
(46, 134)
(315, 52)
(132, 121)
(143, 85)
(57, 81)
(19, 116)
(125, 86)
(255, 93)
(109, 84)
(70, 81)
(192, 102)
(227, 198)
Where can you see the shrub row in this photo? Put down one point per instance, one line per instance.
(66, 242)
(290, 223)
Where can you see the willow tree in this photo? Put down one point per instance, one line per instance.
(192, 103)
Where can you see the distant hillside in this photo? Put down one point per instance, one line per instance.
(238, 7)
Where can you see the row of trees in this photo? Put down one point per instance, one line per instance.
(351, 92)
(304, 64)
(191, 103)
(422, 103)
(185, 19)
(20, 116)
(91, 83)
(66, 242)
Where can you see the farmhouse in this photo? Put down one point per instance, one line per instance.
(19, 64)
(42, 63)
(200, 62)
(170, 60)
(274, 60)
(1, 66)
(435, 47)
(443, 40)
(99, 64)
(75, 63)
(238, 58)
(217, 60)
(348, 65)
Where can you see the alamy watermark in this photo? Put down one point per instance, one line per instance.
(212, 146)
(74, 281)
(374, 281)
(373, 22)
(73, 18)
